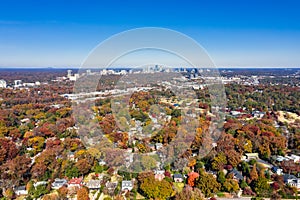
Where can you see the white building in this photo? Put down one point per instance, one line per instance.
(127, 185)
(3, 84)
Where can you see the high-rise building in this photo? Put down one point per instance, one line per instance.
(69, 73)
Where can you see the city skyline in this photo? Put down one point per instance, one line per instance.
(234, 33)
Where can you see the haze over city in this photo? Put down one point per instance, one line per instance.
(234, 33)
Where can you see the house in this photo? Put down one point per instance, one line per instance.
(25, 121)
(111, 185)
(93, 184)
(75, 182)
(236, 174)
(151, 146)
(127, 185)
(102, 162)
(21, 190)
(178, 178)
(265, 164)
(58, 183)
(291, 180)
(281, 158)
(159, 174)
(258, 114)
(158, 146)
(277, 170)
(294, 158)
(71, 156)
(251, 156)
(235, 113)
(40, 183)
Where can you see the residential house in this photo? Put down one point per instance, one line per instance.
(71, 156)
(264, 163)
(291, 180)
(236, 174)
(127, 185)
(102, 162)
(111, 186)
(277, 170)
(178, 178)
(75, 182)
(158, 146)
(93, 184)
(251, 156)
(159, 174)
(258, 114)
(58, 183)
(151, 146)
(21, 190)
(40, 183)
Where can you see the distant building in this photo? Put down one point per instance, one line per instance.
(3, 84)
(17, 83)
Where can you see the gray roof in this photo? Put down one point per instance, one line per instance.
(237, 174)
(178, 176)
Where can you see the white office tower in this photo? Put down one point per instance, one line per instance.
(2, 83)
(69, 73)
(88, 72)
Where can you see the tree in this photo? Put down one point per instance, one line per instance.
(221, 177)
(192, 177)
(253, 173)
(231, 185)
(262, 187)
(63, 192)
(83, 166)
(83, 194)
(40, 190)
(156, 189)
(15, 170)
(30, 187)
(189, 194)
(38, 170)
(218, 162)
(207, 184)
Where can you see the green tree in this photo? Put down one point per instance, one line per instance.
(262, 187)
(207, 184)
(231, 185)
(221, 177)
(156, 189)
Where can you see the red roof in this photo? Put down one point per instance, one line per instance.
(75, 181)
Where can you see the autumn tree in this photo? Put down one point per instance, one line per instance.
(189, 194)
(192, 176)
(253, 173)
(83, 194)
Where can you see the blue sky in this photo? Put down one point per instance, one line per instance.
(236, 33)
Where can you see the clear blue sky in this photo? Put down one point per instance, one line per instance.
(61, 33)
